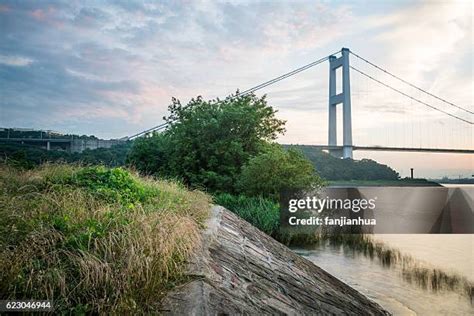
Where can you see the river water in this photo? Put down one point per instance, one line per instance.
(452, 253)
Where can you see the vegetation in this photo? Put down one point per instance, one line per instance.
(412, 270)
(260, 212)
(114, 156)
(39, 134)
(149, 154)
(275, 170)
(332, 168)
(28, 157)
(405, 182)
(149, 157)
(455, 181)
(93, 239)
(209, 141)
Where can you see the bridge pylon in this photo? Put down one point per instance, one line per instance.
(343, 98)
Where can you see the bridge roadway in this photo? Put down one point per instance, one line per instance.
(406, 149)
(37, 140)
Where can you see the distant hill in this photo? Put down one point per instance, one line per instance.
(27, 156)
(332, 168)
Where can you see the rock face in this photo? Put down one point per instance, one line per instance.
(240, 270)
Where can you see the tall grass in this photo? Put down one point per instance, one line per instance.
(94, 240)
(412, 270)
(260, 212)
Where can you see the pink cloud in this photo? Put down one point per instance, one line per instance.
(46, 16)
(38, 14)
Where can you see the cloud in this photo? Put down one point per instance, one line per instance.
(429, 44)
(15, 60)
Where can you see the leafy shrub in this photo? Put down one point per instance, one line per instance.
(276, 169)
(114, 184)
(260, 212)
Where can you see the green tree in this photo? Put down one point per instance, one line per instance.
(277, 169)
(149, 154)
(210, 141)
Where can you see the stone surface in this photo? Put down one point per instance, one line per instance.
(240, 270)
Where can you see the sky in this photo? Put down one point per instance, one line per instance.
(110, 68)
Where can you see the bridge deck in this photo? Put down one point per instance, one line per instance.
(406, 149)
(51, 140)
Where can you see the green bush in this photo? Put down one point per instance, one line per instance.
(276, 169)
(260, 212)
(115, 184)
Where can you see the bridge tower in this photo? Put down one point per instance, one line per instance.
(334, 99)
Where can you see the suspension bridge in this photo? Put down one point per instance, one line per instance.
(340, 96)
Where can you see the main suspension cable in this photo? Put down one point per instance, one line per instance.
(412, 98)
(410, 84)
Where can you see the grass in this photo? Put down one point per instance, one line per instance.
(93, 239)
(260, 212)
(264, 214)
(412, 270)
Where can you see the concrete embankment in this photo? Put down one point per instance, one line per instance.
(240, 270)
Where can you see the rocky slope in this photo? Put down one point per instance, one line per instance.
(240, 270)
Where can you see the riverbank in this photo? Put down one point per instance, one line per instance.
(383, 183)
(240, 270)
